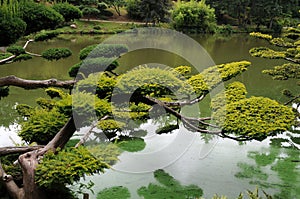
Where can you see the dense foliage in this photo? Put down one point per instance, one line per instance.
(38, 17)
(56, 53)
(194, 15)
(68, 11)
(67, 167)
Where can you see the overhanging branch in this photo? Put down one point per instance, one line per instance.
(33, 84)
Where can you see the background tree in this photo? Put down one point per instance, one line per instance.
(116, 5)
(12, 26)
(194, 15)
(68, 11)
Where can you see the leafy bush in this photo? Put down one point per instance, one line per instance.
(42, 126)
(67, 167)
(56, 53)
(103, 50)
(68, 11)
(45, 35)
(89, 66)
(11, 30)
(5, 55)
(133, 9)
(22, 57)
(90, 12)
(16, 50)
(194, 15)
(38, 17)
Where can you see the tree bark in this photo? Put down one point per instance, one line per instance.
(14, 150)
(33, 84)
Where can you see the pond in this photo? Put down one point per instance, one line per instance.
(213, 165)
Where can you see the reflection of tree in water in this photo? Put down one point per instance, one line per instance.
(166, 187)
(282, 157)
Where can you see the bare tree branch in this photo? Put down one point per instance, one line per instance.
(22, 149)
(32, 84)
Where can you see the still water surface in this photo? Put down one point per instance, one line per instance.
(217, 166)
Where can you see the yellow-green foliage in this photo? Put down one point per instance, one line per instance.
(42, 126)
(281, 42)
(107, 153)
(213, 76)
(54, 92)
(234, 92)
(261, 35)
(86, 105)
(67, 167)
(267, 53)
(284, 71)
(98, 83)
(183, 70)
(110, 125)
(255, 117)
(152, 81)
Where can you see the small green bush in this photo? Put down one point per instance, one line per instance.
(22, 57)
(68, 11)
(45, 35)
(16, 50)
(133, 9)
(56, 53)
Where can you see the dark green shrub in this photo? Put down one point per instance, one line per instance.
(5, 55)
(133, 9)
(16, 50)
(39, 17)
(11, 30)
(102, 6)
(56, 53)
(22, 57)
(194, 15)
(90, 12)
(45, 35)
(68, 11)
(103, 50)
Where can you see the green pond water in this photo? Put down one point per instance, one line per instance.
(181, 164)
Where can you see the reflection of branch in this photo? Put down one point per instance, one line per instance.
(291, 100)
(88, 133)
(186, 102)
(32, 84)
(187, 120)
(239, 138)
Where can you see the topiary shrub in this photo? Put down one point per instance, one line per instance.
(68, 11)
(16, 50)
(22, 57)
(45, 35)
(56, 53)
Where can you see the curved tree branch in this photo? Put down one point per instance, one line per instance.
(13, 150)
